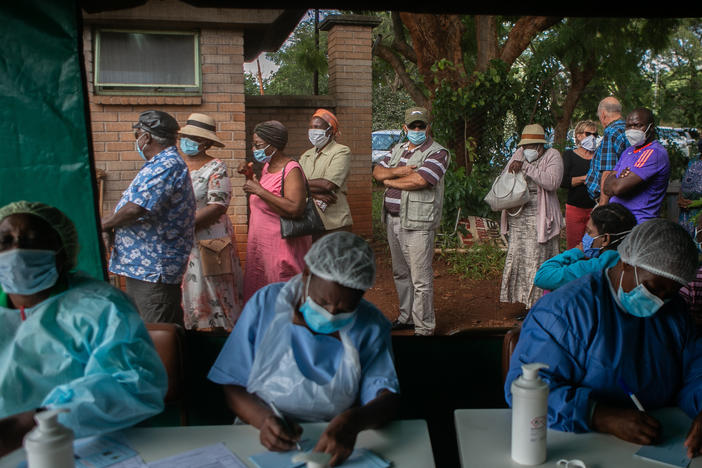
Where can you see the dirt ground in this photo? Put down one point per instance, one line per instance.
(459, 303)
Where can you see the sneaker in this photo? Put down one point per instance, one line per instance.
(397, 325)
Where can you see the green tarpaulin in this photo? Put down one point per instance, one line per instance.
(44, 138)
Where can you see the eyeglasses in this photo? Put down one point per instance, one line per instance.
(417, 126)
(260, 145)
(590, 134)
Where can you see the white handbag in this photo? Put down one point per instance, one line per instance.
(509, 190)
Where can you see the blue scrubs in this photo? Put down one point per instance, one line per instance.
(85, 349)
(589, 342)
(317, 356)
(571, 264)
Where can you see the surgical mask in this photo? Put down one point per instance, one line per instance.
(639, 302)
(588, 249)
(531, 154)
(138, 148)
(27, 271)
(318, 137)
(319, 319)
(417, 137)
(261, 156)
(635, 136)
(589, 143)
(189, 147)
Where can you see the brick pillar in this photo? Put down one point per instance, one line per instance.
(350, 58)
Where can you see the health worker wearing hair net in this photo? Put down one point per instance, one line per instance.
(313, 348)
(624, 326)
(67, 340)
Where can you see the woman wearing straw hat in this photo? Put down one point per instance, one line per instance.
(327, 167)
(280, 192)
(213, 282)
(533, 230)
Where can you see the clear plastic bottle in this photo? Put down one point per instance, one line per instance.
(529, 416)
(50, 444)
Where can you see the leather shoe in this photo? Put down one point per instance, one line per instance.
(397, 325)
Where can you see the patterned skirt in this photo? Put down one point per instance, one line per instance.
(524, 256)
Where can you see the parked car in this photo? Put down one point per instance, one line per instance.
(682, 138)
(382, 142)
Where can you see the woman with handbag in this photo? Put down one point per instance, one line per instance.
(327, 165)
(533, 229)
(213, 282)
(280, 196)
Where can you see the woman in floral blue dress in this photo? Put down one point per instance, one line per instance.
(691, 191)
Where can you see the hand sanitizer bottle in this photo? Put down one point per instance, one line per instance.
(50, 444)
(529, 416)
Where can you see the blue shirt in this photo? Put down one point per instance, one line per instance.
(85, 349)
(613, 142)
(317, 356)
(570, 265)
(589, 342)
(157, 246)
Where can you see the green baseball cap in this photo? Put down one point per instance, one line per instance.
(414, 114)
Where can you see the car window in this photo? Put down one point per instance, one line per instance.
(383, 141)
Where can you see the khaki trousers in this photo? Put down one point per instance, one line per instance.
(412, 253)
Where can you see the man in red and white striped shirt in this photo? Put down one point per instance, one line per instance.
(413, 175)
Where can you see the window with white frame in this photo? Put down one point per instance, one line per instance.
(147, 62)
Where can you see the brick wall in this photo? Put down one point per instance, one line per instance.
(222, 58)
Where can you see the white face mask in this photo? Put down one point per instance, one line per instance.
(318, 137)
(589, 143)
(531, 155)
(635, 136)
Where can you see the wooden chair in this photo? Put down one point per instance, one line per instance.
(508, 345)
(169, 341)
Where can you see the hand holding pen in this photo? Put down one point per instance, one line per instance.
(278, 433)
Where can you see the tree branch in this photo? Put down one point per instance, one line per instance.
(399, 41)
(415, 92)
(521, 35)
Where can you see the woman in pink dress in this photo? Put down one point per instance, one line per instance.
(269, 257)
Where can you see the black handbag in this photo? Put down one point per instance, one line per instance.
(308, 223)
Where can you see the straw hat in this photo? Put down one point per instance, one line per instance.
(203, 126)
(533, 133)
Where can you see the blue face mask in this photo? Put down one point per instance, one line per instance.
(27, 271)
(639, 302)
(417, 137)
(588, 249)
(319, 319)
(260, 155)
(138, 149)
(189, 147)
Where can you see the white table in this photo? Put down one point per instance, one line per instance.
(405, 442)
(484, 438)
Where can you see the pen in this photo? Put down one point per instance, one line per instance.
(628, 391)
(285, 423)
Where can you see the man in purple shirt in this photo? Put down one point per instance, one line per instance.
(413, 175)
(640, 178)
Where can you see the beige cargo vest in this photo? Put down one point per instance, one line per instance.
(420, 210)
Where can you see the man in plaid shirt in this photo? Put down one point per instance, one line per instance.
(607, 154)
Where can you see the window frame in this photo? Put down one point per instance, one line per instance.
(134, 89)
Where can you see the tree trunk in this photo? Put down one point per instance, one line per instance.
(486, 38)
(579, 79)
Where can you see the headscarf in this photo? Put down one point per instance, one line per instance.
(329, 118)
(273, 133)
(61, 223)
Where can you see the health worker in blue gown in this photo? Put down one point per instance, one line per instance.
(622, 327)
(315, 350)
(66, 341)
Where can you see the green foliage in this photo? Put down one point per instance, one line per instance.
(297, 61)
(251, 87)
(389, 106)
(482, 261)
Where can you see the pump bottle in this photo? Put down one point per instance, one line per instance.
(50, 444)
(529, 416)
